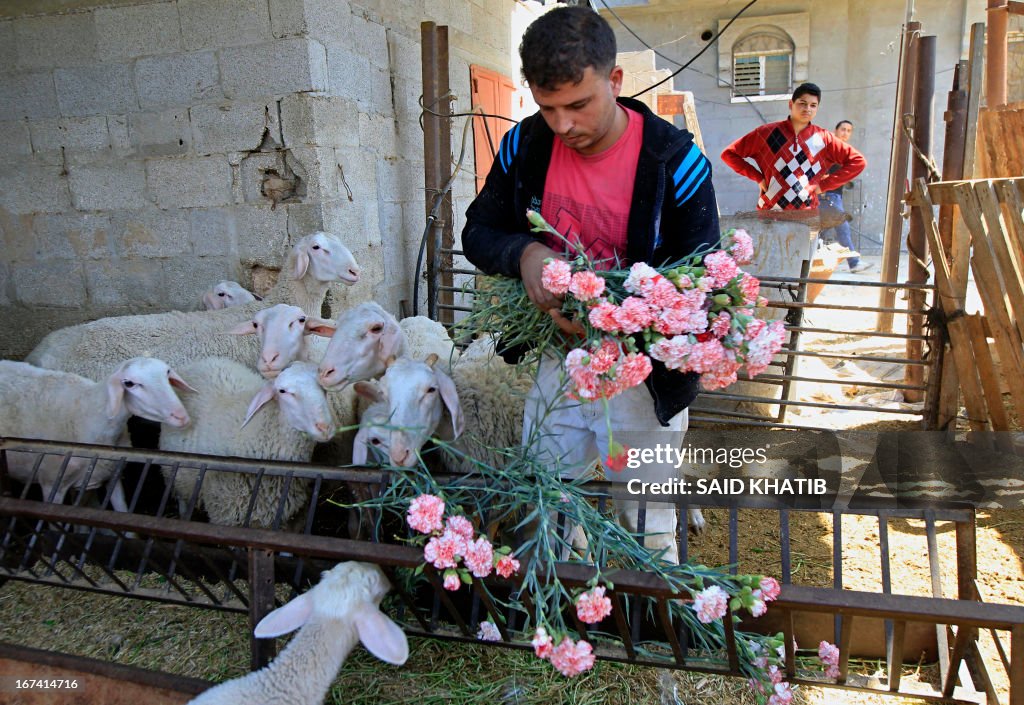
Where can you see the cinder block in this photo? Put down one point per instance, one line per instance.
(137, 283)
(232, 127)
(73, 236)
(348, 221)
(406, 55)
(390, 226)
(108, 185)
(318, 170)
(223, 23)
(180, 80)
(214, 232)
(54, 282)
(5, 288)
(359, 170)
(98, 89)
(253, 169)
(27, 187)
(151, 233)
(306, 218)
(309, 120)
(377, 132)
(262, 234)
(37, 40)
(349, 74)
(131, 32)
(368, 39)
(27, 95)
(382, 97)
(8, 53)
(85, 134)
(319, 19)
(189, 183)
(117, 130)
(394, 180)
(160, 134)
(186, 278)
(15, 138)
(274, 69)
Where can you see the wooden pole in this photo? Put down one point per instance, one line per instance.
(900, 151)
(995, 71)
(437, 166)
(916, 242)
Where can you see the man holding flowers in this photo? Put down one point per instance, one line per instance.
(622, 186)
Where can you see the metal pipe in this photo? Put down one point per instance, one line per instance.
(995, 59)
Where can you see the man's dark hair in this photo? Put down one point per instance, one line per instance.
(807, 89)
(560, 44)
(844, 122)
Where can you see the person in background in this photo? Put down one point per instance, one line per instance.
(833, 198)
(793, 157)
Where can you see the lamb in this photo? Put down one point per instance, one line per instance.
(89, 349)
(226, 294)
(284, 335)
(227, 424)
(367, 336)
(342, 608)
(60, 406)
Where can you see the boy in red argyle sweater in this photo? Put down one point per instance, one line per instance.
(794, 157)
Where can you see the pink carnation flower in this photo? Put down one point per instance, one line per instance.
(451, 580)
(659, 291)
(460, 526)
(720, 267)
(770, 589)
(829, 655)
(722, 376)
(479, 557)
(639, 273)
(593, 606)
(742, 247)
(634, 315)
(542, 643)
(603, 318)
(444, 551)
(572, 658)
(750, 287)
(758, 608)
(783, 695)
(674, 351)
(711, 604)
(633, 370)
(720, 328)
(425, 513)
(762, 348)
(506, 566)
(556, 275)
(586, 285)
(488, 631)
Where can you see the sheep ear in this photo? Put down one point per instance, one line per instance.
(245, 328)
(390, 340)
(286, 618)
(301, 262)
(368, 389)
(115, 393)
(265, 394)
(176, 381)
(381, 637)
(451, 400)
(257, 297)
(320, 326)
(431, 360)
(210, 301)
(359, 449)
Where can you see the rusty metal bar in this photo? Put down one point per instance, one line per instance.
(965, 637)
(896, 655)
(846, 382)
(1016, 658)
(838, 307)
(845, 637)
(619, 613)
(666, 628)
(844, 282)
(995, 59)
(818, 404)
(862, 333)
(866, 358)
(261, 603)
(785, 559)
(936, 576)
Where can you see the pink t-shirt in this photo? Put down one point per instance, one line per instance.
(587, 197)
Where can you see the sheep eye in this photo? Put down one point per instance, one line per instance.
(222, 294)
(255, 324)
(128, 384)
(377, 328)
(302, 319)
(375, 441)
(431, 390)
(283, 391)
(316, 247)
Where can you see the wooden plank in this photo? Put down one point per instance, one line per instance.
(997, 307)
(987, 371)
(1008, 191)
(1017, 665)
(952, 306)
(975, 79)
(690, 114)
(1009, 267)
(896, 657)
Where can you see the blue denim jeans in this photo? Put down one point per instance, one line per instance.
(841, 232)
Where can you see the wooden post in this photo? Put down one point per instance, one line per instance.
(975, 76)
(995, 71)
(892, 238)
(916, 243)
(437, 168)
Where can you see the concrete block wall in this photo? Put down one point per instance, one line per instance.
(137, 138)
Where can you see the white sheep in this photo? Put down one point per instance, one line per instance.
(344, 607)
(60, 406)
(226, 423)
(226, 294)
(367, 335)
(89, 349)
(286, 334)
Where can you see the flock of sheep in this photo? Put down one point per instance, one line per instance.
(256, 378)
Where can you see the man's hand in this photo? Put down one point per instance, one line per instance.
(531, 269)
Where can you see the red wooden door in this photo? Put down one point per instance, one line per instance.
(492, 92)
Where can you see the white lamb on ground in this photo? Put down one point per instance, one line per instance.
(226, 294)
(226, 423)
(367, 335)
(343, 608)
(60, 406)
(89, 349)
(286, 334)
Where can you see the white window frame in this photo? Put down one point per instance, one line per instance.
(761, 95)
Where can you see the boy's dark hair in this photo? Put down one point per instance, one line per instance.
(560, 44)
(807, 89)
(844, 122)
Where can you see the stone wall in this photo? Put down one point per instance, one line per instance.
(154, 148)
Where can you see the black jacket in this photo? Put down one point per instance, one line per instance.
(673, 212)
